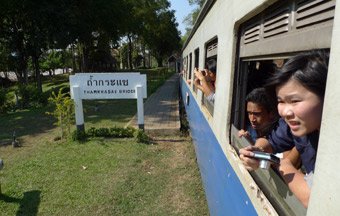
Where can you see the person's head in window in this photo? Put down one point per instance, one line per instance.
(211, 70)
(300, 88)
(205, 80)
(261, 110)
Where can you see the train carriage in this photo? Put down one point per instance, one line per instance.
(247, 38)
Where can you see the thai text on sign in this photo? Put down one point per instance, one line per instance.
(108, 85)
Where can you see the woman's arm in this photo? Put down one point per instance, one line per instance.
(295, 181)
(294, 156)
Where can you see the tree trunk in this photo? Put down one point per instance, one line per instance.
(83, 58)
(22, 60)
(159, 61)
(144, 53)
(130, 53)
(37, 72)
(150, 59)
(80, 57)
(74, 69)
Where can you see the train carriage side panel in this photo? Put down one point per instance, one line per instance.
(224, 191)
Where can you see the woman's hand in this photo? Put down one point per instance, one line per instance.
(246, 156)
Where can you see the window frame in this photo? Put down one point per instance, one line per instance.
(269, 181)
(196, 65)
(299, 23)
(190, 66)
(212, 43)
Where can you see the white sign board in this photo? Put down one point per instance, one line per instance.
(108, 85)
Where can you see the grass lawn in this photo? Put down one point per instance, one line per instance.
(99, 177)
(102, 177)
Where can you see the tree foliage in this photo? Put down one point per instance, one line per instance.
(87, 31)
(163, 38)
(191, 18)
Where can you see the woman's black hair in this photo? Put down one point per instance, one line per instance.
(308, 68)
(211, 65)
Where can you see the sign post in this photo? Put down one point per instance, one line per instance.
(78, 105)
(107, 86)
(140, 108)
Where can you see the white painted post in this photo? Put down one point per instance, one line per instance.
(140, 108)
(78, 105)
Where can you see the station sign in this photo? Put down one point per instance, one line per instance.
(90, 86)
(108, 85)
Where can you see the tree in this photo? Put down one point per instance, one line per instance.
(94, 19)
(191, 18)
(163, 38)
(51, 60)
(90, 29)
(27, 31)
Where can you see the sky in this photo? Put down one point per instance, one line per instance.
(182, 9)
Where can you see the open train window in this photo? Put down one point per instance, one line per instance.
(253, 74)
(266, 41)
(196, 65)
(190, 66)
(210, 64)
(186, 68)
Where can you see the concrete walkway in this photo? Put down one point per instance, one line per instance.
(161, 110)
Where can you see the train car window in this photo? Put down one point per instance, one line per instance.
(183, 67)
(190, 66)
(196, 65)
(197, 57)
(210, 64)
(266, 41)
(254, 74)
(186, 67)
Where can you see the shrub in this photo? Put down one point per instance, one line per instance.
(91, 132)
(102, 132)
(122, 132)
(3, 100)
(64, 112)
(142, 137)
(30, 96)
(114, 132)
(79, 135)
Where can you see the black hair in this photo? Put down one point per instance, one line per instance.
(211, 65)
(308, 68)
(261, 97)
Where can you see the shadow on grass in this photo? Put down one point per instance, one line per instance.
(25, 122)
(29, 204)
(112, 110)
(102, 113)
